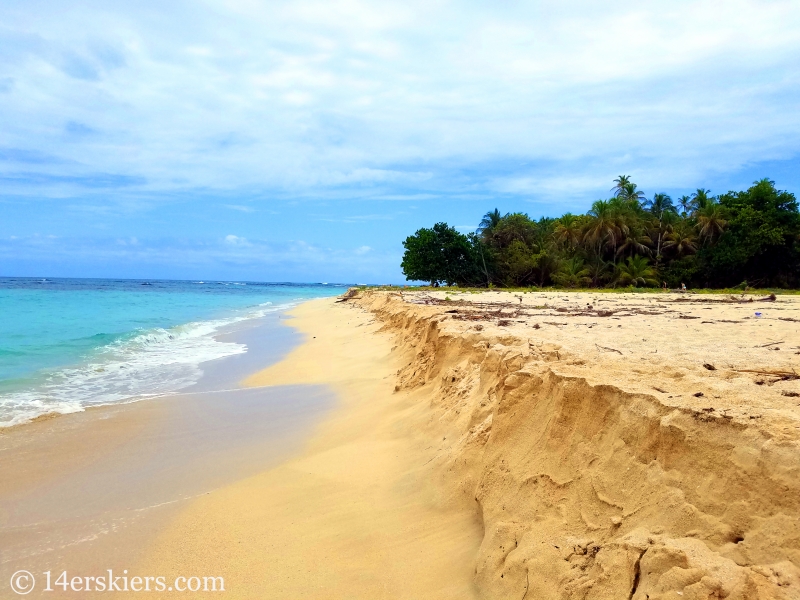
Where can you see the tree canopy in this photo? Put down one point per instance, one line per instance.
(702, 240)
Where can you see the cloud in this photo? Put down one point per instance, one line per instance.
(235, 240)
(338, 106)
(307, 96)
(240, 208)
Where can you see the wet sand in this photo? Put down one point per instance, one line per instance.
(88, 491)
(355, 515)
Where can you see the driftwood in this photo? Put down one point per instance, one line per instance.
(778, 375)
(609, 349)
(729, 300)
(349, 295)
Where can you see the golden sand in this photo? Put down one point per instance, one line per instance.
(524, 446)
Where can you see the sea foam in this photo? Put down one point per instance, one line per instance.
(141, 365)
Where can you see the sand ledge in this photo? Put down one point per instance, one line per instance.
(589, 490)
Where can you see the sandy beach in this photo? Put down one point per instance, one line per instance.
(561, 446)
(89, 491)
(499, 445)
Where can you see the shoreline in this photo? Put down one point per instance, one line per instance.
(89, 490)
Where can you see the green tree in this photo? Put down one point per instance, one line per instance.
(760, 241)
(636, 271)
(685, 202)
(440, 255)
(572, 273)
(489, 222)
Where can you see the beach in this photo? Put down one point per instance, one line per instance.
(492, 445)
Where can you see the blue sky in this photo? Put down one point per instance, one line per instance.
(304, 140)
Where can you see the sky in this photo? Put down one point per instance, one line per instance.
(304, 140)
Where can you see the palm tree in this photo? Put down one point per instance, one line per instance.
(572, 273)
(598, 270)
(710, 221)
(660, 206)
(682, 240)
(603, 226)
(631, 194)
(620, 183)
(489, 222)
(634, 241)
(568, 230)
(636, 271)
(701, 199)
(685, 202)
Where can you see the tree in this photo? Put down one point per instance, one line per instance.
(602, 226)
(620, 184)
(631, 194)
(710, 221)
(568, 231)
(760, 241)
(751, 235)
(681, 240)
(636, 271)
(489, 222)
(685, 202)
(700, 199)
(440, 255)
(572, 273)
(660, 207)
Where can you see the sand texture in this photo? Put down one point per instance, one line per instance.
(541, 445)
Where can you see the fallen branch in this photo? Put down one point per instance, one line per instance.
(780, 375)
(609, 349)
(771, 344)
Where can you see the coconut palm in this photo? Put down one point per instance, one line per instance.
(598, 270)
(572, 273)
(685, 202)
(602, 227)
(636, 271)
(701, 199)
(681, 240)
(632, 194)
(620, 184)
(660, 206)
(489, 222)
(568, 230)
(710, 221)
(634, 241)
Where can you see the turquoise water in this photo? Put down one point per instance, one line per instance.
(66, 344)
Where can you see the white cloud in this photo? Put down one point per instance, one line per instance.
(235, 240)
(388, 97)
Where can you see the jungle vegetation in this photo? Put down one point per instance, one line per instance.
(750, 237)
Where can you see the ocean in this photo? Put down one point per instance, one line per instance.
(66, 344)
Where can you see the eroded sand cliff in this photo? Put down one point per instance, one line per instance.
(613, 446)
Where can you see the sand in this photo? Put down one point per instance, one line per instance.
(353, 516)
(496, 445)
(87, 492)
(576, 447)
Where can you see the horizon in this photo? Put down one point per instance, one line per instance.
(299, 141)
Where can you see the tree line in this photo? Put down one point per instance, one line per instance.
(750, 237)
